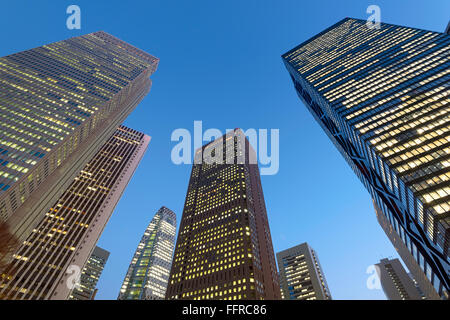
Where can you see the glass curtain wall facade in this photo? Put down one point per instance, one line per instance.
(148, 273)
(59, 104)
(224, 247)
(381, 95)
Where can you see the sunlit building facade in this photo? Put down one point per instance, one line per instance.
(44, 266)
(85, 289)
(381, 95)
(301, 276)
(59, 104)
(148, 273)
(224, 247)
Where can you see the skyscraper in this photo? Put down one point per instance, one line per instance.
(381, 97)
(301, 275)
(224, 248)
(86, 288)
(59, 103)
(148, 273)
(45, 265)
(396, 283)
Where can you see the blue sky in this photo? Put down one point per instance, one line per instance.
(220, 63)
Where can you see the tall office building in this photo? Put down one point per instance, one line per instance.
(85, 289)
(301, 275)
(381, 97)
(45, 264)
(224, 248)
(396, 283)
(59, 103)
(148, 273)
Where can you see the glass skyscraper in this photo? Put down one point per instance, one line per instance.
(59, 103)
(224, 247)
(44, 265)
(148, 273)
(86, 288)
(381, 95)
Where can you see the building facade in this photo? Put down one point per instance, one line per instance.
(59, 246)
(59, 104)
(418, 276)
(86, 289)
(280, 281)
(148, 273)
(381, 97)
(395, 281)
(224, 247)
(301, 275)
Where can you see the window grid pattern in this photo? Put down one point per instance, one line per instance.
(44, 258)
(382, 97)
(148, 273)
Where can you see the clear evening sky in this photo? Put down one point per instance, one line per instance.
(220, 63)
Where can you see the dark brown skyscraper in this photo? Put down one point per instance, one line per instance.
(224, 248)
(45, 265)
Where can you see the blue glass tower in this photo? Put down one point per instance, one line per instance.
(148, 273)
(381, 95)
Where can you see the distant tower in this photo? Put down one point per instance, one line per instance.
(396, 283)
(148, 273)
(224, 247)
(90, 274)
(301, 275)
